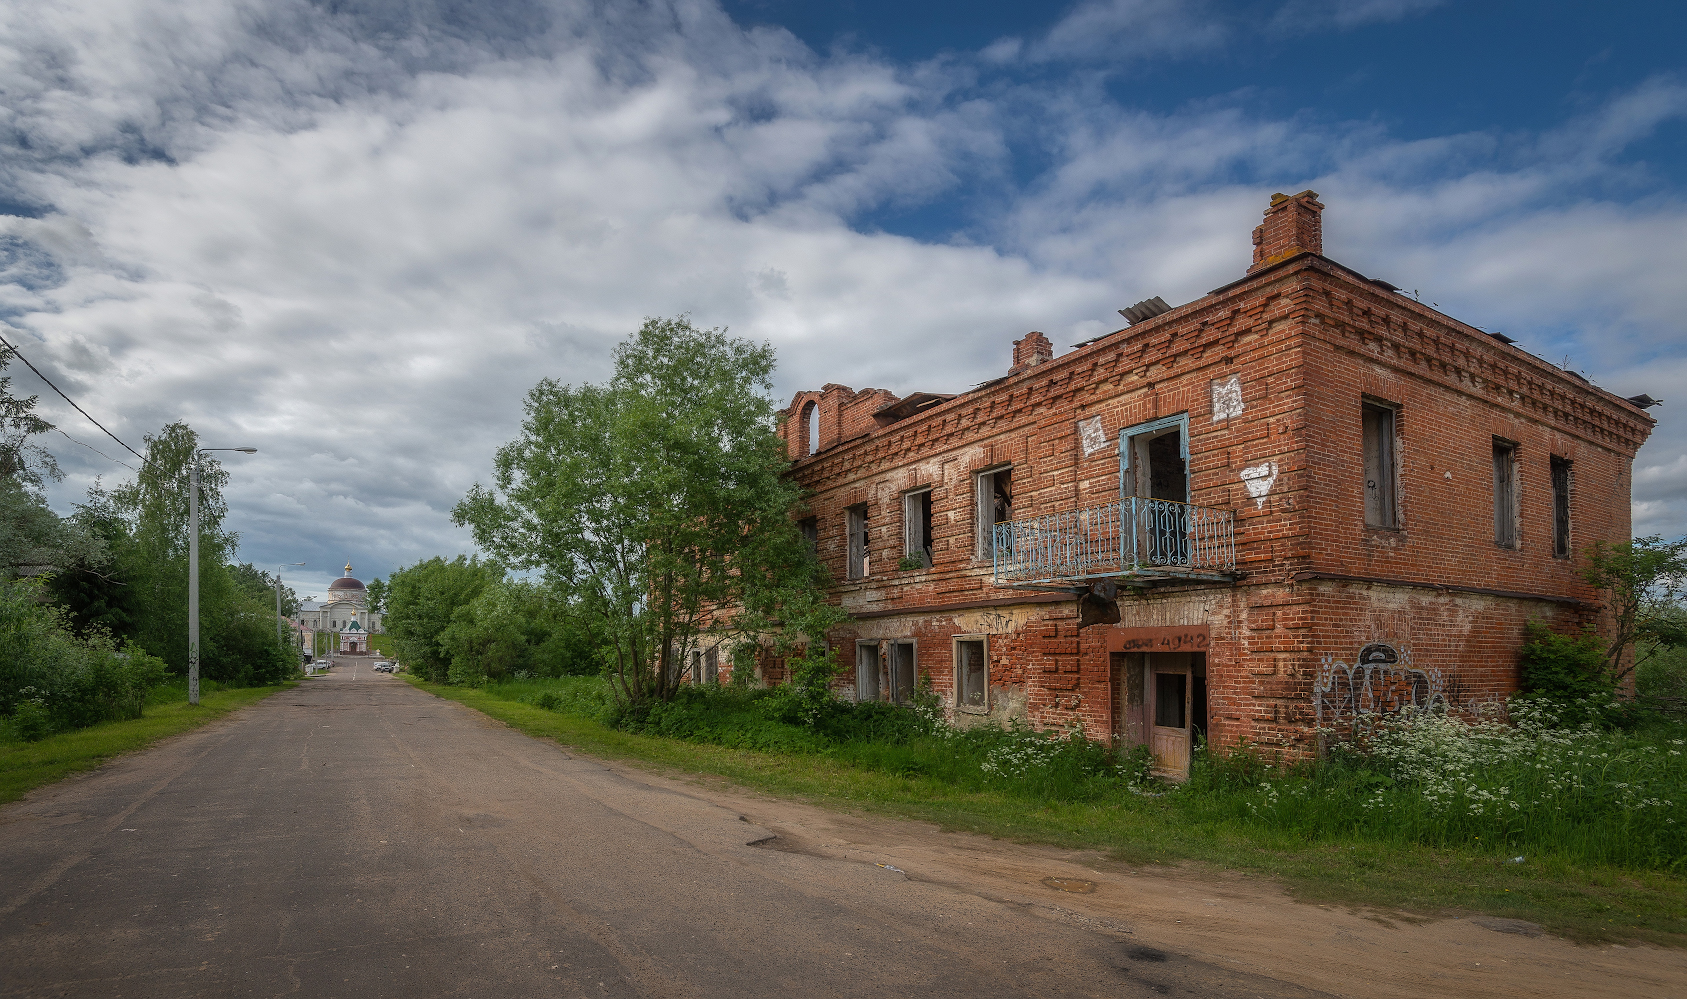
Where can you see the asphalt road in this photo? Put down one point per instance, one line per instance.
(358, 837)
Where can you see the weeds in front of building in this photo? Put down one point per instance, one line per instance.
(1530, 785)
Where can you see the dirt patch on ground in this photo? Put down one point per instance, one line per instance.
(1227, 919)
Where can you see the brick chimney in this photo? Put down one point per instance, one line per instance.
(1292, 225)
(1030, 352)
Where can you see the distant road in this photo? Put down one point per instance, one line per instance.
(357, 837)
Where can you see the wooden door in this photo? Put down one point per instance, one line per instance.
(1130, 709)
(1169, 687)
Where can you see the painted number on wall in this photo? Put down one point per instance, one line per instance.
(1159, 640)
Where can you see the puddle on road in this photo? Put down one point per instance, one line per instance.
(1076, 885)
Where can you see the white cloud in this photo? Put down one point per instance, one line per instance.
(356, 247)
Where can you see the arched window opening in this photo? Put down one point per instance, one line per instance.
(811, 420)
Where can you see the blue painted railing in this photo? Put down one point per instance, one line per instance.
(1135, 536)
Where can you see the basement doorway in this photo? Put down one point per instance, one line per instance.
(1160, 701)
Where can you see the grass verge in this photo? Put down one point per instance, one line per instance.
(1586, 903)
(25, 766)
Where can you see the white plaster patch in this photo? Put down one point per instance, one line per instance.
(1092, 435)
(1227, 398)
(1259, 480)
(995, 620)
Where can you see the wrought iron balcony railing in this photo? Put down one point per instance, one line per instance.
(1135, 537)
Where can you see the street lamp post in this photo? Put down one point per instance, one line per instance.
(193, 568)
(278, 635)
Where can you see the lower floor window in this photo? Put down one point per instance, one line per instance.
(890, 677)
(972, 674)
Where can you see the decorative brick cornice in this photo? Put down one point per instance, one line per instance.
(1395, 330)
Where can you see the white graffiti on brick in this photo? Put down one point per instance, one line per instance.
(1259, 479)
(1092, 435)
(1227, 398)
(1383, 682)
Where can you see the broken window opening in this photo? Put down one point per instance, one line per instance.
(1168, 475)
(1380, 472)
(866, 671)
(994, 491)
(696, 667)
(1560, 507)
(916, 520)
(858, 565)
(810, 529)
(1154, 459)
(972, 674)
(1170, 692)
(1505, 493)
(811, 429)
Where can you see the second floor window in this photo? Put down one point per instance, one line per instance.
(857, 525)
(916, 524)
(1505, 493)
(1560, 507)
(1380, 470)
(994, 493)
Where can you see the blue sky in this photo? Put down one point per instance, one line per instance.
(353, 234)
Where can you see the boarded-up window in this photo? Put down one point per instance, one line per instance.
(1505, 494)
(994, 493)
(972, 675)
(916, 524)
(867, 671)
(697, 667)
(1560, 507)
(857, 525)
(711, 665)
(902, 672)
(1380, 473)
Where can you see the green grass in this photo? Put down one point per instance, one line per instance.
(25, 766)
(1587, 902)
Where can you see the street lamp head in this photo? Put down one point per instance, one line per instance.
(247, 450)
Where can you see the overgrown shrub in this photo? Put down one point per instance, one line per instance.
(1660, 683)
(1563, 667)
(52, 681)
(1567, 675)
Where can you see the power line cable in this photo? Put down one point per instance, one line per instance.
(68, 399)
(94, 449)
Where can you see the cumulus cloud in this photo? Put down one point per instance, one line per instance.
(354, 235)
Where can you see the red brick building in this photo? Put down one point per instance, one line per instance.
(1302, 496)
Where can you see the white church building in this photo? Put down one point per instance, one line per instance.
(344, 613)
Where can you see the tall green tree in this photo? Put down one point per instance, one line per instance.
(257, 583)
(658, 501)
(34, 541)
(146, 522)
(22, 459)
(421, 602)
(94, 594)
(376, 593)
